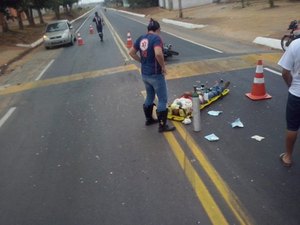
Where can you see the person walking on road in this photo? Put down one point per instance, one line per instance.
(290, 63)
(153, 69)
(99, 25)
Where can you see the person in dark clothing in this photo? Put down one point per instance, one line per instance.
(99, 25)
(153, 72)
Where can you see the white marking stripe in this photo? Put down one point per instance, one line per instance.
(185, 39)
(44, 70)
(273, 71)
(7, 115)
(259, 80)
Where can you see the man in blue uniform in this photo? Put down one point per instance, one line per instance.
(99, 25)
(151, 57)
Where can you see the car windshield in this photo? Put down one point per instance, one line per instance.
(57, 27)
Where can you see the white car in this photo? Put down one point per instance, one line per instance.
(58, 33)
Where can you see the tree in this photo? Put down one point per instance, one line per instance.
(3, 15)
(54, 5)
(26, 7)
(17, 5)
(39, 5)
(68, 4)
(180, 9)
(243, 3)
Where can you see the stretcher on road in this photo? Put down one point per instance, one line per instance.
(181, 113)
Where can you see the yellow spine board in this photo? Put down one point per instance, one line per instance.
(181, 118)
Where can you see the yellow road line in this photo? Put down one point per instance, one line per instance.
(120, 44)
(203, 194)
(230, 198)
(174, 71)
(219, 65)
(64, 79)
(210, 206)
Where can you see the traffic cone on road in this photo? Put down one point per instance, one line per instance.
(79, 40)
(258, 88)
(129, 40)
(91, 29)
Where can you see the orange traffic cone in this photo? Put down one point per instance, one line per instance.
(91, 29)
(258, 88)
(79, 40)
(129, 40)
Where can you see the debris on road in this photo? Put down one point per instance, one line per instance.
(237, 123)
(212, 137)
(214, 113)
(257, 137)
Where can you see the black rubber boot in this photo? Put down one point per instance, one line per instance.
(101, 36)
(148, 114)
(162, 119)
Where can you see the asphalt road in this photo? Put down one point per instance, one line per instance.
(74, 148)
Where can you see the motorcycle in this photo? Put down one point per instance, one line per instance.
(288, 38)
(168, 51)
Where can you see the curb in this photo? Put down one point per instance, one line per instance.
(270, 42)
(184, 24)
(32, 45)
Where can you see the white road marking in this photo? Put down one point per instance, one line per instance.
(6, 116)
(182, 38)
(44, 70)
(193, 42)
(273, 71)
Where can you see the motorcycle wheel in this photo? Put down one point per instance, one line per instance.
(285, 42)
(171, 52)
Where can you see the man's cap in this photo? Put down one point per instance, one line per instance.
(153, 25)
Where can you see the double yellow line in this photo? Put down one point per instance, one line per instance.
(211, 207)
(120, 44)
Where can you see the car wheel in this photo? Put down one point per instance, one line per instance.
(46, 47)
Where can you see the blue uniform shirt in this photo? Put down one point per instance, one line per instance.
(145, 44)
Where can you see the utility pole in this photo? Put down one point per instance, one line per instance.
(180, 9)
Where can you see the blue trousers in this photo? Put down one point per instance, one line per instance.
(156, 85)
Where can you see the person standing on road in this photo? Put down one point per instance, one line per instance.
(99, 25)
(290, 63)
(153, 69)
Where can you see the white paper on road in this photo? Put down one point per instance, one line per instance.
(257, 137)
(212, 137)
(237, 123)
(214, 113)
